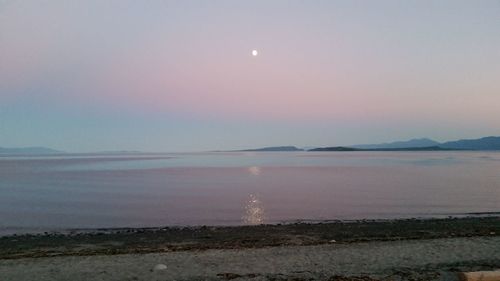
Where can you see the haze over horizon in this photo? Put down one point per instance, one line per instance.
(180, 76)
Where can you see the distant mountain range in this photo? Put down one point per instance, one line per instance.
(423, 144)
(28, 151)
(487, 143)
(344, 148)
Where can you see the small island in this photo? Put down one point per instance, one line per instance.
(275, 148)
(343, 148)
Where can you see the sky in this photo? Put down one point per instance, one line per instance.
(95, 75)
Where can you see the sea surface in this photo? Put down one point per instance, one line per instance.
(149, 190)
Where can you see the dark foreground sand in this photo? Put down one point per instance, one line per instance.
(390, 250)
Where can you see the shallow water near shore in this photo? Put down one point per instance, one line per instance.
(139, 190)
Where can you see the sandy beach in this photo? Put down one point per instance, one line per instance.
(434, 259)
(433, 249)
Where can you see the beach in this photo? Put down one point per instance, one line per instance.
(410, 249)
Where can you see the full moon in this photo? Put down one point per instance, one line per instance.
(254, 53)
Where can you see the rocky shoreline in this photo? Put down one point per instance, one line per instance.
(170, 239)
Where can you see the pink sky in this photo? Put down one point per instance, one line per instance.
(334, 61)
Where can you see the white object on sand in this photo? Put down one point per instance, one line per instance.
(159, 267)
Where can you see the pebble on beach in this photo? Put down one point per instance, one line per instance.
(159, 267)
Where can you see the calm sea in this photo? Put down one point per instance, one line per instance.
(101, 191)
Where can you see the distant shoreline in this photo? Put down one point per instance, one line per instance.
(343, 148)
(352, 149)
(490, 143)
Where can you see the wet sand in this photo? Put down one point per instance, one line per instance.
(371, 250)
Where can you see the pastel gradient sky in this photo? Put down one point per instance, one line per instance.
(179, 75)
